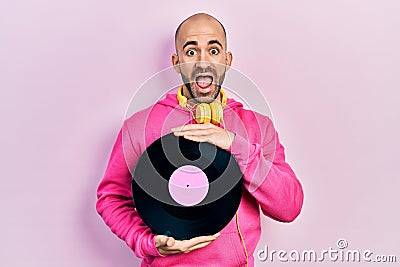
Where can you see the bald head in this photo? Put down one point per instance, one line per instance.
(196, 20)
(201, 54)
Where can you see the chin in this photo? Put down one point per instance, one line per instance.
(204, 96)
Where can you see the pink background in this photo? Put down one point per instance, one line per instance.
(329, 69)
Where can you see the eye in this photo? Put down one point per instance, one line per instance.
(214, 51)
(191, 52)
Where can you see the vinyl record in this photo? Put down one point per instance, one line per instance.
(186, 189)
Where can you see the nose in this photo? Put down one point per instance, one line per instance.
(203, 61)
(204, 57)
(202, 64)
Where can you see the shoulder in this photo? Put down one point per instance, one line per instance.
(163, 105)
(139, 117)
(249, 116)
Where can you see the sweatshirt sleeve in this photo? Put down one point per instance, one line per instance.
(115, 205)
(268, 177)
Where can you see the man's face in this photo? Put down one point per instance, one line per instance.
(201, 58)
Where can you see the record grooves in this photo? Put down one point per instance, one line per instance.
(153, 198)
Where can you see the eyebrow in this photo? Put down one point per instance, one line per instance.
(209, 43)
(215, 42)
(189, 43)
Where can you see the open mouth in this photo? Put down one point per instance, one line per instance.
(204, 81)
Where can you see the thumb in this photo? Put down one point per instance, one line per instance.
(160, 240)
(170, 241)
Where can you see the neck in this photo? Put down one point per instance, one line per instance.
(187, 94)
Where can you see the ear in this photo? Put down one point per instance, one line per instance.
(228, 60)
(175, 63)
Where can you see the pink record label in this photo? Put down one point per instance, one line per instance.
(188, 185)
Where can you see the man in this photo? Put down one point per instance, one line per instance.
(202, 59)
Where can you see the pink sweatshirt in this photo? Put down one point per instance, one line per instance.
(269, 181)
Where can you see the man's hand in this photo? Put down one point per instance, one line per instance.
(168, 245)
(206, 132)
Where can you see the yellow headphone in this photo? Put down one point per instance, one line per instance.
(211, 112)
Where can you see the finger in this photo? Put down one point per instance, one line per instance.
(198, 246)
(189, 127)
(172, 249)
(184, 246)
(183, 249)
(217, 234)
(170, 242)
(168, 252)
(176, 249)
(178, 129)
(200, 239)
(179, 246)
(160, 240)
(195, 132)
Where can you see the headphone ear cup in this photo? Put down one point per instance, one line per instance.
(203, 113)
(216, 112)
(182, 100)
